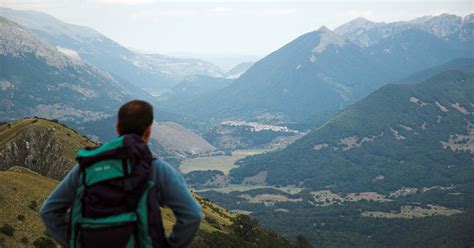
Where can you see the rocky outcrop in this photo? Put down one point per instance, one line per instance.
(41, 146)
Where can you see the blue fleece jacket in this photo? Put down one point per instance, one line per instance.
(173, 194)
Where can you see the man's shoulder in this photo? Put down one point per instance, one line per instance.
(162, 167)
(160, 164)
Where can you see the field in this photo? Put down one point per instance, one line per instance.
(221, 163)
(240, 187)
(409, 212)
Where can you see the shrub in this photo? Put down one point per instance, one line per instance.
(7, 229)
(20, 217)
(33, 205)
(43, 242)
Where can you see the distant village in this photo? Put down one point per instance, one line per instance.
(257, 127)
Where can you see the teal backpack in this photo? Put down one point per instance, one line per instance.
(116, 204)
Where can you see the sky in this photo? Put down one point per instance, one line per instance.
(226, 29)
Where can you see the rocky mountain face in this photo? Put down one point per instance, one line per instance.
(40, 145)
(37, 79)
(321, 72)
(366, 33)
(385, 142)
(152, 72)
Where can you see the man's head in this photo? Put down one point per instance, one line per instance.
(135, 117)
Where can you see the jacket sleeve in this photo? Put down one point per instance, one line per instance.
(175, 195)
(54, 209)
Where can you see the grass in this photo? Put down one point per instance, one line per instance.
(221, 163)
(19, 187)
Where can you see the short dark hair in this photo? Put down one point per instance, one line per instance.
(134, 117)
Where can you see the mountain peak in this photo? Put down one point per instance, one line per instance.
(361, 20)
(355, 25)
(323, 29)
(468, 19)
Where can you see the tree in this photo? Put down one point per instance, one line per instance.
(7, 229)
(245, 227)
(302, 242)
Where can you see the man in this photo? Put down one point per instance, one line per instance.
(134, 117)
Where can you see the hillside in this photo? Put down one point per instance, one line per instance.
(20, 204)
(152, 72)
(177, 140)
(377, 174)
(37, 79)
(193, 86)
(296, 81)
(383, 143)
(238, 70)
(19, 201)
(463, 64)
(40, 145)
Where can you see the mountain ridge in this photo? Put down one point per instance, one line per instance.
(365, 133)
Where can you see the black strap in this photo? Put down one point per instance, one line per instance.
(127, 186)
(136, 234)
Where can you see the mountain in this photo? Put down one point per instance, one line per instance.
(47, 148)
(197, 85)
(414, 49)
(295, 81)
(238, 70)
(37, 79)
(463, 64)
(387, 141)
(367, 33)
(154, 73)
(321, 72)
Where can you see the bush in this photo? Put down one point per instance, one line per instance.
(33, 205)
(7, 229)
(20, 217)
(43, 242)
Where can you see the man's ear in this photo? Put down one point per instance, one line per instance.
(147, 134)
(117, 128)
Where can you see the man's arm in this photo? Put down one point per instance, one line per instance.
(54, 209)
(175, 195)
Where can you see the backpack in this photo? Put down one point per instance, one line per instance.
(116, 203)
